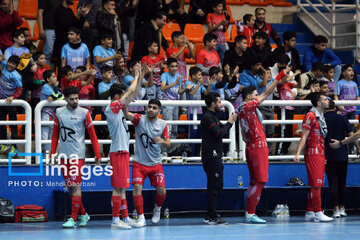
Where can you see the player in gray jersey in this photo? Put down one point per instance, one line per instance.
(119, 149)
(70, 123)
(151, 134)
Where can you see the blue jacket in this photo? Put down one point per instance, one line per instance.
(248, 79)
(327, 57)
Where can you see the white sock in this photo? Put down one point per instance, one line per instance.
(115, 219)
(157, 208)
(250, 215)
(141, 217)
(127, 219)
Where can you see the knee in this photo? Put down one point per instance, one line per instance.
(137, 190)
(161, 190)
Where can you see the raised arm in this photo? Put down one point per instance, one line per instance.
(134, 87)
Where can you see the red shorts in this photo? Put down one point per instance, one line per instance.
(315, 167)
(155, 173)
(72, 171)
(120, 167)
(258, 164)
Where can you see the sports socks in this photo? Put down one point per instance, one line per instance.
(75, 206)
(253, 195)
(138, 204)
(160, 199)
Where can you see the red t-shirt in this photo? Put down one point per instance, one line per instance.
(181, 61)
(207, 59)
(219, 32)
(65, 83)
(251, 126)
(315, 142)
(285, 93)
(157, 71)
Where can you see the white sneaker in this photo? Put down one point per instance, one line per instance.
(309, 215)
(141, 221)
(342, 212)
(132, 223)
(336, 214)
(120, 225)
(156, 215)
(321, 217)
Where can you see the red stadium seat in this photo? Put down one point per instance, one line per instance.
(28, 9)
(256, 2)
(233, 33)
(35, 35)
(279, 3)
(234, 2)
(74, 7)
(232, 20)
(25, 25)
(168, 29)
(194, 32)
(197, 48)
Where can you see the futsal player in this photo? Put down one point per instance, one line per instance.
(119, 148)
(151, 133)
(70, 123)
(256, 146)
(314, 131)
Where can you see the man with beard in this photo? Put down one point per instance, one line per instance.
(261, 48)
(262, 26)
(212, 152)
(320, 53)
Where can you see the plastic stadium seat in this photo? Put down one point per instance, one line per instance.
(97, 117)
(273, 45)
(234, 2)
(197, 48)
(35, 35)
(194, 32)
(232, 20)
(168, 29)
(25, 25)
(74, 7)
(28, 9)
(256, 2)
(131, 45)
(279, 3)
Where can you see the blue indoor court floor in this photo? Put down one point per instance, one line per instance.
(191, 228)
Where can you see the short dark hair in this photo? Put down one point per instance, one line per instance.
(150, 43)
(327, 68)
(345, 67)
(105, 36)
(239, 38)
(252, 60)
(213, 71)
(216, 2)
(23, 29)
(208, 37)
(160, 15)
(283, 58)
(105, 69)
(315, 98)
(131, 63)
(211, 98)
(320, 39)
(331, 104)
(70, 90)
(47, 74)
(261, 35)
(37, 55)
(169, 61)
(116, 88)
(194, 70)
(317, 66)
(106, 1)
(15, 34)
(322, 83)
(81, 68)
(74, 29)
(65, 70)
(155, 102)
(259, 9)
(288, 35)
(247, 91)
(176, 34)
(247, 18)
(14, 59)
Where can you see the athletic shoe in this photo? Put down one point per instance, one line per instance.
(253, 219)
(342, 212)
(336, 214)
(156, 215)
(83, 220)
(132, 223)
(120, 225)
(4, 148)
(215, 221)
(321, 217)
(70, 223)
(309, 216)
(141, 221)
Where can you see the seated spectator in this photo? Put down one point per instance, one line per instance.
(69, 78)
(75, 53)
(10, 89)
(107, 80)
(28, 43)
(236, 55)
(10, 20)
(324, 87)
(120, 70)
(250, 76)
(320, 53)
(50, 92)
(262, 26)
(217, 24)
(156, 62)
(180, 50)
(208, 57)
(171, 87)
(175, 10)
(18, 48)
(307, 78)
(329, 78)
(246, 29)
(261, 49)
(289, 49)
(40, 60)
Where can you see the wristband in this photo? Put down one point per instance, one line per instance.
(280, 75)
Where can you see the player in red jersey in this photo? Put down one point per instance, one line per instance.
(256, 146)
(313, 135)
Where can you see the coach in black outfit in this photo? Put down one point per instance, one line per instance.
(212, 151)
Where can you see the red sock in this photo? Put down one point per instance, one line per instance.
(115, 203)
(316, 199)
(82, 209)
(124, 209)
(160, 199)
(75, 206)
(253, 196)
(138, 204)
(309, 207)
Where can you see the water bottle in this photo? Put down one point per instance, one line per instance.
(164, 157)
(166, 213)
(282, 211)
(135, 215)
(276, 212)
(287, 212)
(240, 181)
(184, 157)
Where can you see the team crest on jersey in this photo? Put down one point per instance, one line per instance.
(308, 121)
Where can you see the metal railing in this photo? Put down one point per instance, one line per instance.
(28, 125)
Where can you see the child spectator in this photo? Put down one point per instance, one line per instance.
(208, 57)
(217, 24)
(75, 53)
(69, 78)
(155, 61)
(87, 90)
(329, 78)
(28, 43)
(40, 61)
(10, 89)
(120, 70)
(324, 87)
(172, 88)
(180, 50)
(246, 29)
(261, 49)
(50, 92)
(18, 47)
